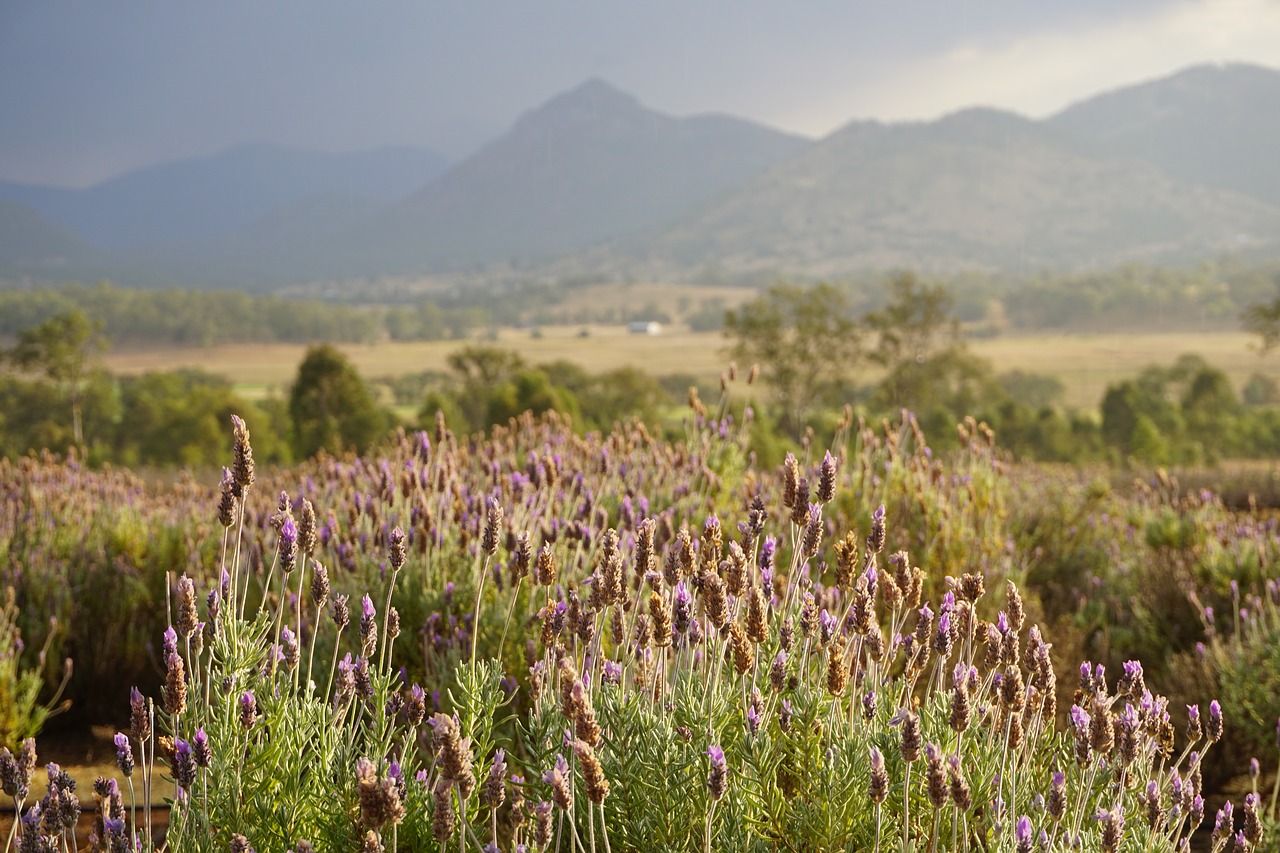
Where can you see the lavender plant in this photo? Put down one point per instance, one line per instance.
(22, 712)
(632, 644)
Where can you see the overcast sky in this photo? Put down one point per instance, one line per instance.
(89, 89)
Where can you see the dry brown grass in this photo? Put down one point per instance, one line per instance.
(1085, 363)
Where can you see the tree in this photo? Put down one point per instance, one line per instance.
(331, 406)
(62, 348)
(1263, 320)
(529, 391)
(915, 324)
(480, 370)
(804, 339)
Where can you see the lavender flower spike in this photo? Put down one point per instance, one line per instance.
(718, 778)
(124, 754)
(1023, 834)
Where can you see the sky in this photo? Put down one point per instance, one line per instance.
(91, 89)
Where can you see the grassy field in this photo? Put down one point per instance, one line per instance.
(1085, 363)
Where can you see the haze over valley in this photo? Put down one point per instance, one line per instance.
(595, 183)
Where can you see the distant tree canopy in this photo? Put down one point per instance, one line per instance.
(809, 342)
(331, 408)
(1263, 319)
(62, 349)
(805, 339)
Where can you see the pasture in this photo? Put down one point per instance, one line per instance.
(1086, 363)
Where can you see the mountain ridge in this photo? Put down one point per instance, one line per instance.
(593, 182)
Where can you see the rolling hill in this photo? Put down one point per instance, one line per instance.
(979, 188)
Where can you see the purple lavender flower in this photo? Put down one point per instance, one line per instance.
(826, 627)
(558, 778)
(1214, 728)
(878, 787)
(1022, 834)
(1080, 723)
(248, 710)
(718, 777)
(368, 626)
(200, 748)
(1224, 824)
(184, 764)
(288, 545)
(612, 672)
(124, 754)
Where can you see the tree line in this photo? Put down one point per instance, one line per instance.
(1212, 295)
(818, 351)
(816, 347)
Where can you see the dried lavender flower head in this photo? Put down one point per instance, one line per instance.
(187, 613)
(243, 466)
(319, 584)
(227, 501)
(308, 533)
(878, 788)
(492, 526)
(341, 611)
(396, 549)
(827, 478)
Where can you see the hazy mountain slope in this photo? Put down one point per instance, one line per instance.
(589, 165)
(32, 246)
(211, 197)
(1215, 125)
(979, 188)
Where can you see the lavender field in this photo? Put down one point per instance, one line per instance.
(540, 640)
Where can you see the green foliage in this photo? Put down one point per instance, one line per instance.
(61, 349)
(529, 390)
(804, 339)
(22, 712)
(331, 408)
(1260, 390)
(581, 660)
(180, 417)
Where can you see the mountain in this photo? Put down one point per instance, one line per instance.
(589, 165)
(211, 197)
(32, 246)
(979, 188)
(1218, 125)
(593, 182)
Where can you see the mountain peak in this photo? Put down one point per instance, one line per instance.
(589, 101)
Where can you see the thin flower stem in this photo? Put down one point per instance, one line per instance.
(591, 825)
(604, 830)
(906, 807)
(133, 810)
(1275, 789)
(149, 759)
(302, 576)
(386, 621)
(311, 652)
(333, 665)
(17, 819)
(515, 596)
(475, 620)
